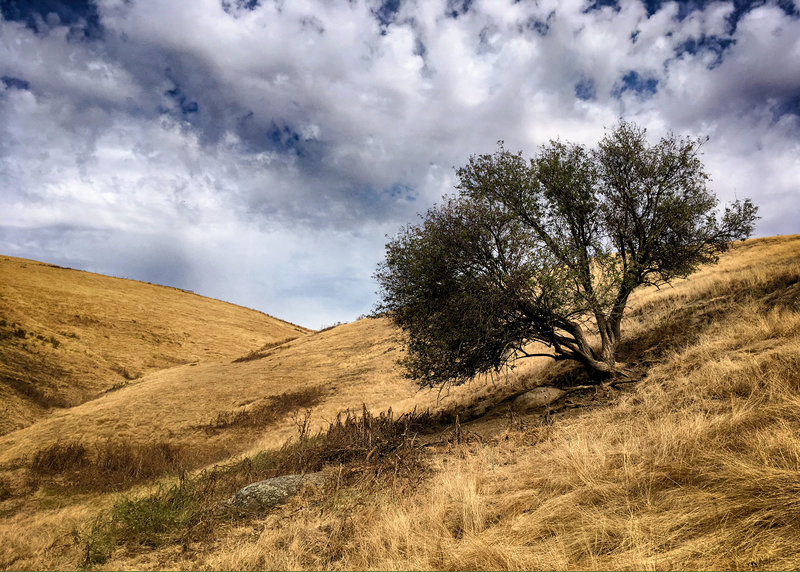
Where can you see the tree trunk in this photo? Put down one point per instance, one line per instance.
(608, 340)
(603, 361)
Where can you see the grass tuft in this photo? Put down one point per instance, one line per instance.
(110, 465)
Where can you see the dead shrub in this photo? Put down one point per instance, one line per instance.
(352, 438)
(125, 373)
(272, 410)
(262, 352)
(110, 465)
(59, 458)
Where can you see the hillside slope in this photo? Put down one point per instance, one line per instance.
(343, 368)
(67, 335)
(692, 465)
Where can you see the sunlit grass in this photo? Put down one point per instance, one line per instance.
(695, 466)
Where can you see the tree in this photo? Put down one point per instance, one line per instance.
(549, 250)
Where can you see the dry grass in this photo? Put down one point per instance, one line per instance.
(66, 336)
(192, 509)
(697, 466)
(269, 411)
(107, 466)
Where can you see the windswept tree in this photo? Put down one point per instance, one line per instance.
(549, 250)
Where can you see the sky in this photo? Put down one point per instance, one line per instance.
(261, 151)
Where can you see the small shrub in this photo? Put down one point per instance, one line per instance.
(97, 542)
(154, 519)
(111, 465)
(273, 409)
(117, 386)
(123, 371)
(59, 458)
(366, 437)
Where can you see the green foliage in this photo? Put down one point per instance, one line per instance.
(97, 542)
(549, 249)
(154, 519)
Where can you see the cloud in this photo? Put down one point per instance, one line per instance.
(260, 151)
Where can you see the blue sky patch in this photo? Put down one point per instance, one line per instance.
(789, 106)
(15, 82)
(231, 6)
(456, 8)
(714, 44)
(285, 139)
(180, 98)
(633, 81)
(600, 4)
(539, 26)
(38, 15)
(386, 12)
(585, 89)
(740, 8)
(403, 192)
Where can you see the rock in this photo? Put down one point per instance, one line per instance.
(271, 492)
(538, 397)
(478, 409)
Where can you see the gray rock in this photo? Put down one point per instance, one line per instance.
(538, 397)
(271, 492)
(478, 409)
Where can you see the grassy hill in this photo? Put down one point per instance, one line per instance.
(695, 464)
(66, 336)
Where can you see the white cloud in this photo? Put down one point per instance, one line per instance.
(267, 152)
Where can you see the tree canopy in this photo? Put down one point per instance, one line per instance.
(549, 250)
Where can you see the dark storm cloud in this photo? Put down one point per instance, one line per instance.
(260, 151)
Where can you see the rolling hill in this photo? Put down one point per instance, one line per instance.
(66, 336)
(693, 464)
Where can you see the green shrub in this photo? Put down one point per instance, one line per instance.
(155, 519)
(97, 542)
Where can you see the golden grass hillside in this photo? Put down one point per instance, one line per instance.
(696, 465)
(66, 335)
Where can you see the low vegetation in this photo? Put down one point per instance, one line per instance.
(191, 508)
(111, 465)
(263, 351)
(269, 410)
(117, 464)
(693, 464)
